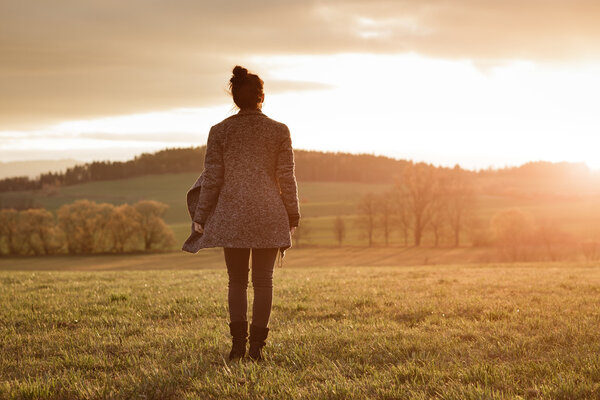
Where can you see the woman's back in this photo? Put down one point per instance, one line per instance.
(249, 196)
(251, 143)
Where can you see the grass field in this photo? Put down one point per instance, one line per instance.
(480, 331)
(213, 258)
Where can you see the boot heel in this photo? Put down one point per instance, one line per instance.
(257, 338)
(239, 333)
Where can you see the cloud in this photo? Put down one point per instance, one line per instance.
(171, 137)
(73, 59)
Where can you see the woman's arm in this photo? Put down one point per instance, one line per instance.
(213, 177)
(287, 179)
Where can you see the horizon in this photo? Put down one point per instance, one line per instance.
(41, 168)
(407, 81)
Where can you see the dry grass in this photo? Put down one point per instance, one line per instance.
(449, 332)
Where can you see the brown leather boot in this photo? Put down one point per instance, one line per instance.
(257, 338)
(239, 333)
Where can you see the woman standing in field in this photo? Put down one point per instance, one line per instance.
(248, 204)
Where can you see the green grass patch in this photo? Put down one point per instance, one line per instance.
(494, 331)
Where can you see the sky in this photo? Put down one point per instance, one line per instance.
(471, 82)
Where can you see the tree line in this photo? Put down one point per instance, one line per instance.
(173, 160)
(439, 200)
(518, 236)
(533, 179)
(85, 227)
(424, 198)
(310, 166)
(450, 214)
(441, 203)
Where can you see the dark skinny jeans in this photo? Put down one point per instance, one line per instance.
(263, 261)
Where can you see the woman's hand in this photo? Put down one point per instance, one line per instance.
(292, 230)
(198, 228)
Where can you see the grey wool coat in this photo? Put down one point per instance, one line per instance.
(247, 194)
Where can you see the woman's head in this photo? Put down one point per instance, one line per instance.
(246, 89)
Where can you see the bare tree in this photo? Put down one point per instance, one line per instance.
(103, 240)
(591, 250)
(339, 229)
(155, 233)
(512, 230)
(478, 231)
(367, 209)
(437, 219)
(124, 227)
(402, 215)
(459, 199)
(302, 232)
(421, 189)
(84, 225)
(39, 231)
(550, 236)
(9, 228)
(384, 203)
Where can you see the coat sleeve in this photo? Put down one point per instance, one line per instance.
(287, 179)
(213, 177)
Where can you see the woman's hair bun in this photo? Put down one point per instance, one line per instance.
(246, 88)
(240, 72)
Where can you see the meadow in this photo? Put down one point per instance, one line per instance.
(307, 256)
(348, 322)
(477, 331)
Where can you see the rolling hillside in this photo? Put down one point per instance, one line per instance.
(320, 203)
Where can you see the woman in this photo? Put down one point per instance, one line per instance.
(248, 204)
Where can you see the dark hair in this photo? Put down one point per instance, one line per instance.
(246, 89)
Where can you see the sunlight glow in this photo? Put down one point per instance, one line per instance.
(407, 106)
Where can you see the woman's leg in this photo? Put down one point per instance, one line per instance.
(263, 261)
(236, 260)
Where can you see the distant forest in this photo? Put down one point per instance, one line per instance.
(531, 179)
(310, 166)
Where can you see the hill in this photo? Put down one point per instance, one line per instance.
(530, 180)
(331, 184)
(320, 203)
(310, 166)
